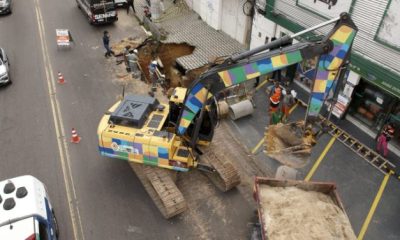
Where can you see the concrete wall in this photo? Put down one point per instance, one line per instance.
(225, 15)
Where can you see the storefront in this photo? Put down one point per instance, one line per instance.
(374, 108)
(370, 105)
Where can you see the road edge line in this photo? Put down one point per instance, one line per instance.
(374, 205)
(58, 127)
(320, 158)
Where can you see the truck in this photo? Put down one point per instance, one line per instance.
(25, 210)
(290, 209)
(98, 11)
(160, 139)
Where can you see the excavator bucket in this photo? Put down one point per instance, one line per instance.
(289, 143)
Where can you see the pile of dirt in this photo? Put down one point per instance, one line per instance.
(286, 144)
(292, 213)
(119, 47)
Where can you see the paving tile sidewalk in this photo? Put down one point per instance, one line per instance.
(185, 26)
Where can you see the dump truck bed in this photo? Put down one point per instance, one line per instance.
(289, 209)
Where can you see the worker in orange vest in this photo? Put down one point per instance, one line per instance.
(274, 100)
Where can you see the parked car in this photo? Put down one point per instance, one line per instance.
(121, 3)
(5, 6)
(26, 211)
(98, 11)
(4, 68)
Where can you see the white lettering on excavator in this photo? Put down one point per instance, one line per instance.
(124, 148)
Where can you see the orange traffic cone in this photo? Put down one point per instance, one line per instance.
(75, 138)
(60, 78)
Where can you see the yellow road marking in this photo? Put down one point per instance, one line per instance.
(262, 139)
(293, 108)
(258, 146)
(373, 206)
(58, 123)
(262, 84)
(319, 160)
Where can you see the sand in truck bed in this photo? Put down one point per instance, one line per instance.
(292, 213)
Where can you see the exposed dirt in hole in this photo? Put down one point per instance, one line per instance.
(167, 53)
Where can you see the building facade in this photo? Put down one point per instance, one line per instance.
(370, 92)
(230, 16)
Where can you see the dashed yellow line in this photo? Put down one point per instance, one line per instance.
(319, 160)
(293, 108)
(258, 146)
(254, 150)
(262, 84)
(374, 206)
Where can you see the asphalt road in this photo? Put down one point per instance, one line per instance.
(94, 197)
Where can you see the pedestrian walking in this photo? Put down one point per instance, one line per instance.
(130, 4)
(106, 43)
(383, 139)
(287, 103)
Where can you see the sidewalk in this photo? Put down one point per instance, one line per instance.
(350, 126)
(185, 26)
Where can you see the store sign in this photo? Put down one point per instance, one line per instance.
(388, 86)
(326, 8)
(340, 106)
(391, 88)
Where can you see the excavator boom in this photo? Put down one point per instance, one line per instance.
(333, 51)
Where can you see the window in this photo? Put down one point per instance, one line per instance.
(43, 231)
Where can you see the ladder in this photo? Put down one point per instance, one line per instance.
(372, 157)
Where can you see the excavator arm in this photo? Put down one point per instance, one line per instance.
(333, 51)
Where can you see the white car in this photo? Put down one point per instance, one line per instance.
(26, 211)
(4, 68)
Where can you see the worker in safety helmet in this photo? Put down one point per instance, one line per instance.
(153, 75)
(133, 58)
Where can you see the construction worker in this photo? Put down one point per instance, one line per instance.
(287, 103)
(153, 75)
(126, 52)
(133, 61)
(274, 102)
(147, 12)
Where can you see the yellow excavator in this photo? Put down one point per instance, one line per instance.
(161, 139)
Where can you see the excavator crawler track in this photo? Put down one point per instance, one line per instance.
(160, 185)
(226, 176)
